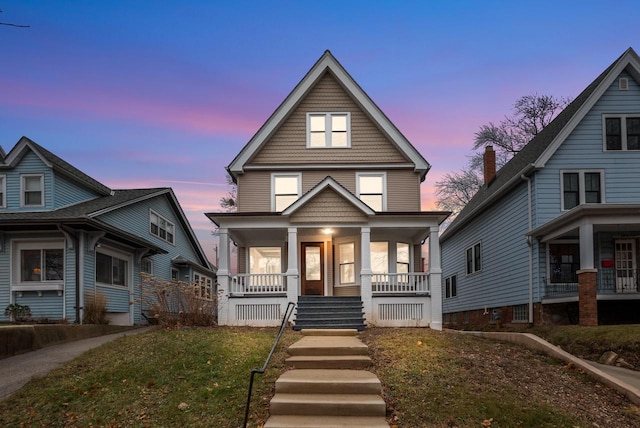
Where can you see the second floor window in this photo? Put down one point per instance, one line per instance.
(581, 187)
(371, 190)
(32, 190)
(161, 227)
(622, 133)
(286, 190)
(328, 130)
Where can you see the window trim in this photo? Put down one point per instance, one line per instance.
(203, 286)
(581, 186)
(352, 263)
(35, 244)
(382, 174)
(276, 175)
(128, 275)
(23, 178)
(3, 190)
(474, 258)
(157, 235)
(623, 131)
(451, 286)
(327, 129)
(522, 310)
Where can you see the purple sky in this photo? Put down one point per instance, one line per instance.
(166, 93)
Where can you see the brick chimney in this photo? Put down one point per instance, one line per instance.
(489, 159)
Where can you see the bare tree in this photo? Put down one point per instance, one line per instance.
(13, 25)
(531, 113)
(229, 202)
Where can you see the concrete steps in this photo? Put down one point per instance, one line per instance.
(324, 390)
(329, 312)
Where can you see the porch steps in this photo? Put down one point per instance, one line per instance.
(333, 394)
(329, 312)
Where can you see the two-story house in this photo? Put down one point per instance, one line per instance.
(329, 205)
(65, 237)
(553, 237)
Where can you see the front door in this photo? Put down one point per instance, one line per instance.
(625, 265)
(312, 269)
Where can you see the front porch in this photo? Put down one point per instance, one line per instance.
(380, 263)
(590, 256)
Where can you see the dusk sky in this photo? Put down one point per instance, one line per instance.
(166, 93)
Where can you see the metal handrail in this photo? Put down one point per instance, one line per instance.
(285, 319)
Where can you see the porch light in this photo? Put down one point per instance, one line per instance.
(327, 231)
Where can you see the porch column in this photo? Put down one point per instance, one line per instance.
(223, 276)
(587, 279)
(365, 273)
(292, 265)
(435, 279)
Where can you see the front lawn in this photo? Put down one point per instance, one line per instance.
(199, 378)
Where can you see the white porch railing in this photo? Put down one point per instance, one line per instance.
(267, 283)
(400, 283)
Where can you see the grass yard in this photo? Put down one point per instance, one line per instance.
(199, 378)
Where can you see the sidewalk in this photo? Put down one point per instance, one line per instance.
(16, 371)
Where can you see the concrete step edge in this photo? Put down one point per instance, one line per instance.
(298, 421)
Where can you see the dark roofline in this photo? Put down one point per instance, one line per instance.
(523, 162)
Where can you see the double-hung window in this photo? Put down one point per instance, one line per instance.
(371, 189)
(581, 187)
(347, 258)
(622, 132)
(32, 190)
(379, 261)
(473, 257)
(3, 191)
(328, 130)
(286, 190)
(402, 261)
(161, 227)
(203, 286)
(451, 287)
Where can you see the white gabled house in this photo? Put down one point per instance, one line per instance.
(329, 205)
(554, 236)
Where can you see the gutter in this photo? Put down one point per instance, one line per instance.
(508, 185)
(530, 245)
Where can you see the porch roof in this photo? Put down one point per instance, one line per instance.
(257, 226)
(611, 217)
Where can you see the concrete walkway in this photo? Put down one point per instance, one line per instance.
(16, 371)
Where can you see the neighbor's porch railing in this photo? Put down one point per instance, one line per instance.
(265, 283)
(609, 280)
(400, 283)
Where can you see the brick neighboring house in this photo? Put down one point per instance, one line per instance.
(554, 235)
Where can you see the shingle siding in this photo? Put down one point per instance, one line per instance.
(328, 206)
(288, 143)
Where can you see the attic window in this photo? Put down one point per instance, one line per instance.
(328, 130)
(621, 132)
(623, 84)
(161, 227)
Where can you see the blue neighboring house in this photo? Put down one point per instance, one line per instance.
(554, 236)
(65, 237)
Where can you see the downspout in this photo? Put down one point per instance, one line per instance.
(530, 244)
(72, 237)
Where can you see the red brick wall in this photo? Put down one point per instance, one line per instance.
(587, 295)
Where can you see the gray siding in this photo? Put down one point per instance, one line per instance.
(583, 149)
(135, 219)
(30, 164)
(504, 278)
(66, 192)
